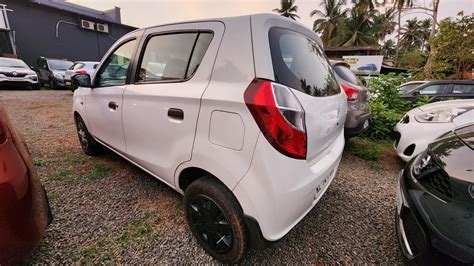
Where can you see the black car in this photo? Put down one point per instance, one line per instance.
(52, 71)
(435, 210)
(443, 90)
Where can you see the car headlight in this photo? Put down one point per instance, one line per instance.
(58, 76)
(440, 116)
(32, 77)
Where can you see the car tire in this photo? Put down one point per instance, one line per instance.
(216, 220)
(89, 145)
(36, 87)
(52, 84)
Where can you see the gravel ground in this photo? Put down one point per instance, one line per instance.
(106, 210)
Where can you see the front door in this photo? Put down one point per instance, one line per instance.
(104, 103)
(161, 108)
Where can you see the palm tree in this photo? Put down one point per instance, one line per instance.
(368, 4)
(357, 30)
(331, 18)
(384, 24)
(287, 9)
(388, 48)
(400, 4)
(409, 38)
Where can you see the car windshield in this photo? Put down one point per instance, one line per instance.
(59, 64)
(9, 62)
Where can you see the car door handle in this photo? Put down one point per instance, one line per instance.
(113, 105)
(176, 113)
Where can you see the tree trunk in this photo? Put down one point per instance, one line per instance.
(398, 36)
(429, 62)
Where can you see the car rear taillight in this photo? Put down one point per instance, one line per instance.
(80, 71)
(279, 115)
(351, 93)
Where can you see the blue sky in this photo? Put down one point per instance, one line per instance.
(142, 13)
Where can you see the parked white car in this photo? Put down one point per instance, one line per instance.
(80, 67)
(424, 124)
(16, 73)
(242, 115)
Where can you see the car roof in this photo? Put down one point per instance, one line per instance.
(225, 20)
(339, 63)
(413, 82)
(463, 81)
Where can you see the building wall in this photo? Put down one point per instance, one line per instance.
(34, 30)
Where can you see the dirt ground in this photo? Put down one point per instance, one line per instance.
(107, 210)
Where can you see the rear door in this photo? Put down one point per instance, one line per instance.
(299, 63)
(104, 102)
(162, 106)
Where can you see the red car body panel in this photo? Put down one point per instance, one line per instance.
(24, 208)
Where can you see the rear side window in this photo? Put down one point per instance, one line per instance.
(299, 63)
(434, 89)
(347, 74)
(463, 89)
(173, 56)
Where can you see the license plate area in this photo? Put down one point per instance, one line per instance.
(323, 185)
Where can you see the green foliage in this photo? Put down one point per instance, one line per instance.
(453, 48)
(386, 106)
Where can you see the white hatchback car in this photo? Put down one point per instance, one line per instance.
(421, 126)
(242, 115)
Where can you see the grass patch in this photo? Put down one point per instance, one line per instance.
(375, 165)
(106, 250)
(97, 172)
(39, 162)
(364, 149)
(59, 175)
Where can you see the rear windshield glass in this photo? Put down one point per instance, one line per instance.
(299, 63)
(347, 74)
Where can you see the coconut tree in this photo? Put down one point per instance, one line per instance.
(357, 30)
(287, 9)
(400, 5)
(384, 24)
(330, 18)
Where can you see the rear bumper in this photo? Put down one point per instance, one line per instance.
(363, 124)
(277, 191)
(417, 238)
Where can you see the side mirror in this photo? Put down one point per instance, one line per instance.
(81, 80)
(34, 68)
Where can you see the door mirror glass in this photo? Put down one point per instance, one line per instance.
(81, 80)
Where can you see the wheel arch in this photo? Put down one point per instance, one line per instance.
(192, 173)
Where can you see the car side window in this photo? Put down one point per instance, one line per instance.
(173, 57)
(114, 72)
(434, 89)
(463, 89)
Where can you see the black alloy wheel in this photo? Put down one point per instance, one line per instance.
(210, 223)
(216, 219)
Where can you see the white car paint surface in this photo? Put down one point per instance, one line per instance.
(420, 134)
(218, 132)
